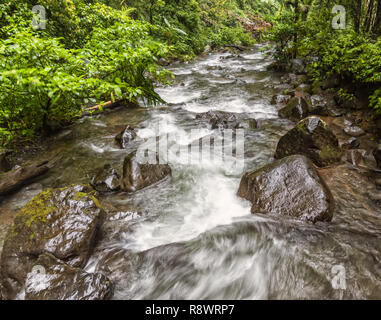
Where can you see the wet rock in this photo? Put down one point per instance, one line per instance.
(280, 99)
(125, 137)
(351, 143)
(355, 156)
(62, 222)
(297, 66)
(313, 138)
(296, 109)
(377, 155)
(4, 162)
(13, 180)
(137, 175)
(226, 120)
(106, 180)
(291, 187)
(354, 131)
(319, 105)
(248, 124)
(52, 279)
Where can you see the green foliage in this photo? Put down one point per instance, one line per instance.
(345, 54)
(40, 81)
(93, 51)
(282, 35)
(45, 84)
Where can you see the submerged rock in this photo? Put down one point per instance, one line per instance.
(62, 222)
(291, 187)
(227, 120)
(52, 279)
(125, 137)
(106, 180)
(313, 138)
(138, 176)
(296, 109)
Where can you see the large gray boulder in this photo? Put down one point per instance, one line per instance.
(290, 187)
(52, 279)
(137, 175)
(62, 222)
(313, 138)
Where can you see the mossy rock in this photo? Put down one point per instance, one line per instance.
(62, 222)
(313, 138)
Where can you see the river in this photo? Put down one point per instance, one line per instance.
(190, 236)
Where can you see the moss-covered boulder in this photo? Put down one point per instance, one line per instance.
(52, 279)
(313, 138)
(138, 175)
(296, 109)
(62, 222)
(290, 187)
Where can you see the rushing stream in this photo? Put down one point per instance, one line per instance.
(190, 236)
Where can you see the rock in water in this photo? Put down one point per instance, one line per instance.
(137, 175)
(296, 109)
(291, 187)
(125, 137)
(280, 99)
(227, 120)
(313, 138)
(106, 180)
(52, 279)
(62, 222)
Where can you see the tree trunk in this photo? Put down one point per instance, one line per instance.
(369, 16)
(358, 16)
(377, 23)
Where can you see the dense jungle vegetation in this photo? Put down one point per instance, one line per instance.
(90, 52)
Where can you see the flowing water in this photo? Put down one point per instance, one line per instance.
(190, 236)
